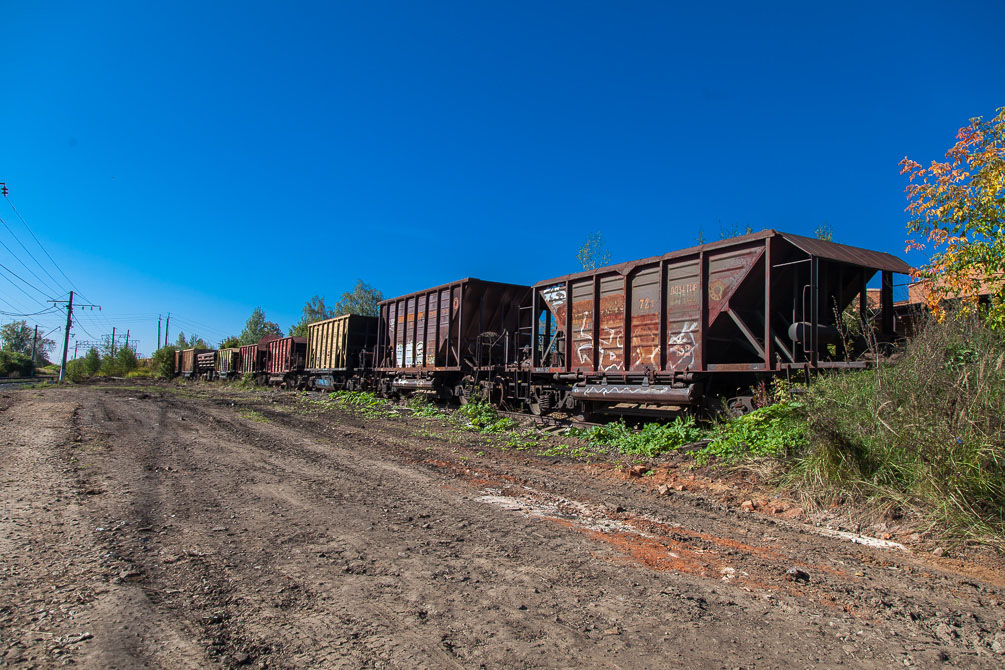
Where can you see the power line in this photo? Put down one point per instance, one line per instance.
(19, 288)
(26, 282)
(40, 245)
(49, 310)
(16, 239)
(25, 266)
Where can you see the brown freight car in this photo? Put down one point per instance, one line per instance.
(228, 363)
(284, 361)
(340, 352)
(188, 366)
(709, 320)
(252, 361)
(448, 339)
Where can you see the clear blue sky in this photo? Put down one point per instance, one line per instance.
(206, 158)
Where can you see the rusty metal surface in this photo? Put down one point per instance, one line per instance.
(205, 362)
(658, 394)
(877, 260)
(188, 360)
(285, 355)
(439, 328)
(844, 253)
(337, 344)
(228, 360)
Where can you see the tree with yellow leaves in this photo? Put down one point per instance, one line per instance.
(958, 207)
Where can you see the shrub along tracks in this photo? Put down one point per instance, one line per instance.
(197, 526)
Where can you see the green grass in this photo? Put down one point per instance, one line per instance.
(926, 434)
(421, 406)
(651, 440)
(253, 415)
(483, 418)
(774, 431)
(363, 403)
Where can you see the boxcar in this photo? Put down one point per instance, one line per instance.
(188, 365)
(671, 330)
(285, 359)
(228, 363)
(448, 339)
(340, 351)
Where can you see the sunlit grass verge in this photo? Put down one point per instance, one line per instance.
(926, 434)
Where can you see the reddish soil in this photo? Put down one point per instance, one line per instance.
(198, 526)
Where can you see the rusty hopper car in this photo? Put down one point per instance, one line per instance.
(340, 351)
(188, 365)
(228, 363)
(253, 358)
(205, 365)
(446, 340)
(285, 359)
(177, 362)
(676, 329)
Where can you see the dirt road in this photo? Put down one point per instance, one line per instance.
(188, 527)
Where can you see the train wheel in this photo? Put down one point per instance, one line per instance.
(740, 405)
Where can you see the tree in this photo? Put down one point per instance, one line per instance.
(958, 207)
(17, 336)
(193, 342)
(314, 311)
(362, 299)
(594, 253)
(230, 342)
(92, 361)
(162, 362)
(257, 327)
(824, 232)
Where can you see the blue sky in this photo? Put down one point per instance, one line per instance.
(206, 158)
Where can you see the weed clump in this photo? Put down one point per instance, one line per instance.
(483, 417)
(421, 406)
(925, 433)
(651, 440)
(362, 402)
(773, 431)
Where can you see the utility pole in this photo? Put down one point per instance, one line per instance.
(113, 340)
(66, 334)
(166, 326)
(127, 338)
(158, 333)
(66, 337)
(34, 339)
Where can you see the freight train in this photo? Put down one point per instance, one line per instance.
(651, 336)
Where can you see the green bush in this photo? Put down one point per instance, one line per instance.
(774, 431)
(14, 364)
(76, 370)
(650, 440)
(162, 362)
(927, 432)
(92, 362)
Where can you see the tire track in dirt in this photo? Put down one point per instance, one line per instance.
(284, 539)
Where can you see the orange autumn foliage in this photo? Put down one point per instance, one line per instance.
(958, 208)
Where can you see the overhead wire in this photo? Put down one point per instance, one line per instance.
(25, 281)
(30, 297)
(40, 246)
(27, 251)
(25, 266)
